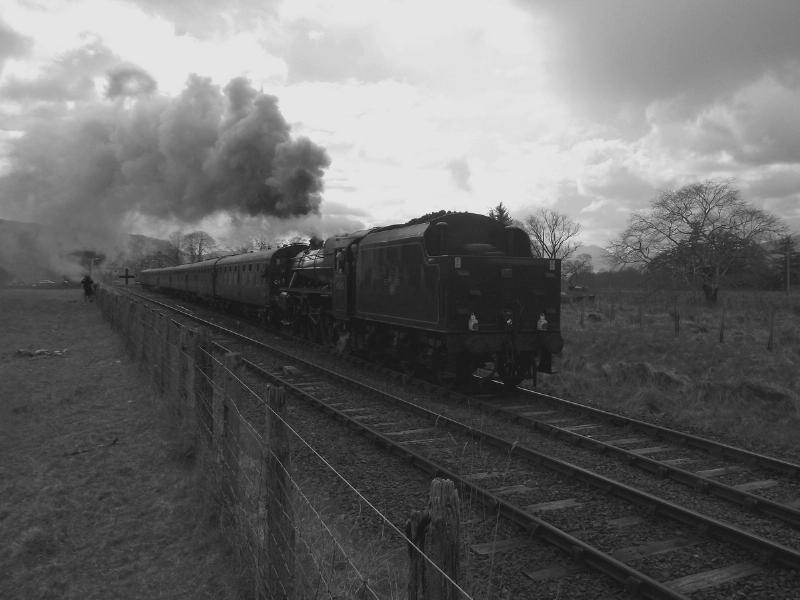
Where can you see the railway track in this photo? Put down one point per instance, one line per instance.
(762, 484)
(653, 547)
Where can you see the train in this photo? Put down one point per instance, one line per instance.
(446, 294)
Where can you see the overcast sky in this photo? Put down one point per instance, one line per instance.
(398, 107)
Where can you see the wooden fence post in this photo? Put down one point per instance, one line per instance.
(722, 325)
(153, 347)
(415, 532)
(233, 392)
(126, 323)
(437, 530)
(442, 540)
(174, 373)
(182, 372)
(203, 383)
(676, 315)
(164, 359)
(217, 408)
(771, 329)
(190, 365)
(261, 522)
(141, 335)
(280, 555)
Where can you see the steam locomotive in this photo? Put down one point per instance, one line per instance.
(447, 294)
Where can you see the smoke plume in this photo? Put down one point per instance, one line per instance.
(93, 168)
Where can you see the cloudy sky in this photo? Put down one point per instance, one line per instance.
(150, 113)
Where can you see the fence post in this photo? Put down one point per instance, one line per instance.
(151, 335)
(676, 315)
(203, 383)
(164, 361)
(436, 529)
(126, 325)
(261, 522)
(174, 374)
(140, 333)
(442, 540)
(415, 532)
(190, 365)
(232, 390)
(217, 408)
(279, 543)
(182, 372)
(771, 329)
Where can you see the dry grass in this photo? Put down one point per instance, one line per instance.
(622, 353)
(83, 515)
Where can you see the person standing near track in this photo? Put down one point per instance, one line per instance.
(88, 288)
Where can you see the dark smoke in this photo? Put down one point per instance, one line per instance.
(204, 152)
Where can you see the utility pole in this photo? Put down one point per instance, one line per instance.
(788, 261)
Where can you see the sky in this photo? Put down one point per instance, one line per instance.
(270, 117)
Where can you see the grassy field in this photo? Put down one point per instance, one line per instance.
(623, 353)
(98, 497)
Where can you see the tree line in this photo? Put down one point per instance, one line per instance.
(702, 235)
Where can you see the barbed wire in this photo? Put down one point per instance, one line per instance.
(158, 360)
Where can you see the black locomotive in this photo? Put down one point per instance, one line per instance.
(449, 294)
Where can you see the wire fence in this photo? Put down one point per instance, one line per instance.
(299, 527)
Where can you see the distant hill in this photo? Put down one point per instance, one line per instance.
(600, 262)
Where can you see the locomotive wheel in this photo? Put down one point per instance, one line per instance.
(509, 369)
(327, 330)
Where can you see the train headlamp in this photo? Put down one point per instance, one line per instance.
(541, 324)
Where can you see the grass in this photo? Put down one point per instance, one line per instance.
(99, 497)
(622, 353)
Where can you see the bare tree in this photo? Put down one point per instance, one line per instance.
(197, 245)
(260, 243)
(500, 213)
(573, 270)
(172, 254)
(552, 234)
(699, 233)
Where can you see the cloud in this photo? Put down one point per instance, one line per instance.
(778, 184)
(316, 54)
(69, 78)
(129, 81)
(620, 53)
(210, 18)
(459, 171)
(12, 43)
